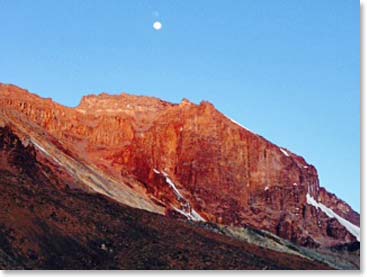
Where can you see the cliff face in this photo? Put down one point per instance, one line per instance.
(46, 223)
(186, 160)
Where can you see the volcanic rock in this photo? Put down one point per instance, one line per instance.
(181, 160)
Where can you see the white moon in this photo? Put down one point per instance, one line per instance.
(157, 25)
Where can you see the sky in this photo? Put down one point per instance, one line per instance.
(288, 70)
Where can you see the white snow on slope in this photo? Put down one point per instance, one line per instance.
(353, 229)
(235, 122)
(172, 185)
(194, 216)
(186, 208)
(284, 152)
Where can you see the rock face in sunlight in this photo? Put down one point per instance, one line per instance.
(182, 161)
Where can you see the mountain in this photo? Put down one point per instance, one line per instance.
(123, 165)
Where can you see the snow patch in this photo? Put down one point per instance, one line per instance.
(353, 229)
(186, 208)
(193, 215)
(295, 184)
(305, 166)
(266, 188)
(173, 186)
(235, 122)
(284, 152)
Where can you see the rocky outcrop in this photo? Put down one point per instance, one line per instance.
(191, 159)
(46, 224)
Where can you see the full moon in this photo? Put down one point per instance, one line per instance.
(157, 25)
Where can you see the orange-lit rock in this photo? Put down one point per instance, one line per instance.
(222, 172)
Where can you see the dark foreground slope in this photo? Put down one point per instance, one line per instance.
(45, 224)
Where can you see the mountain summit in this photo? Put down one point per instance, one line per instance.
(183, 161)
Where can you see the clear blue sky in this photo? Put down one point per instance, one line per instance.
(288, 70)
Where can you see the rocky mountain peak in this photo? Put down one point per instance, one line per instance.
(107, 103)
(190, 160)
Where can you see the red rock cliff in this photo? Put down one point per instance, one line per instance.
(193, 161)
